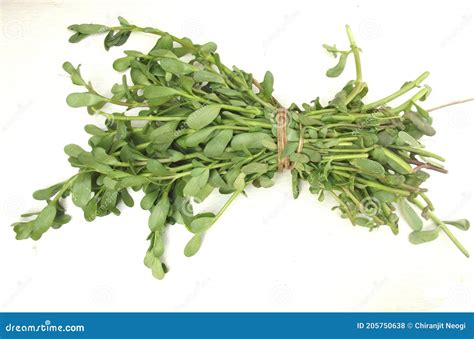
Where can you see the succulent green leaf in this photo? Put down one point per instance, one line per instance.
(410, 216)
(203, 116)
(193, 245)
(420, 237)
(84, 99)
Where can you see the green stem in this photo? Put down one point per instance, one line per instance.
(419, 152)
(410, 102)
(374, 184)
(443, 227)
(355, 50)
(146, 118)
(227, 204)
(406, 88)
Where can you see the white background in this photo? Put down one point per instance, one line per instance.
(268, 252)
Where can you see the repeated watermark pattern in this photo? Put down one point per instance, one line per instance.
(193, 294)
(465, 21)
(21, 109)
(288, 19)
(370, 29)
(22, 285)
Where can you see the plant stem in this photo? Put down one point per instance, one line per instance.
(457, 102)
(400, 92)
(355, 50)
(443, 227)
(146, 118)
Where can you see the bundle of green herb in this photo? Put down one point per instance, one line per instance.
(203, 126)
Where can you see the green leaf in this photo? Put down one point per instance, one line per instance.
(192, 187)
(103, 157)
(254, 167)
(158, 245)
(81, 190)
(23, 229)
(420, 123)
(408, 139)
(76, 37)
(384, 196)
(299, 157)
(116, 38)
(462, 224)
(89, 28)
(339, 68)
(250, 140)
(176, 66)
(369, 167)
(420, 237)
(47, 193)
(202, 222)
(90, 211)
(265, 182)
(139, 77)
(267, 85)
(164, 135)
(164, 43)
(193, 245)
(73, 150)
(216, 180)
(239, 183)
(74, 73)
(397, 163)
(206, 76)
(410, 216)
(156, 168)
(313, 155)
(331, 49)
(339, 101)
(84, 99)
(122, 64)
(295, 184)
(203, 178)
(157, 269)
(194, 139)
(203, 116)
(133, 181)
(159, 213)
(126, 198)
(123, 21)
(60, 220)
(216, 146)
(149, 259)
(44, 221)
(94, 130)
(154, 91)
(148, 201)
(209, 47)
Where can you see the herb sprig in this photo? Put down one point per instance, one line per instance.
(203, 126)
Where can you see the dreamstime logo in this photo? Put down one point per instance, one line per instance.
(13, 29)
(370, 29)
(281, 294)
(187, 208)
(370, 206)
(280, 120)
(102, 295)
